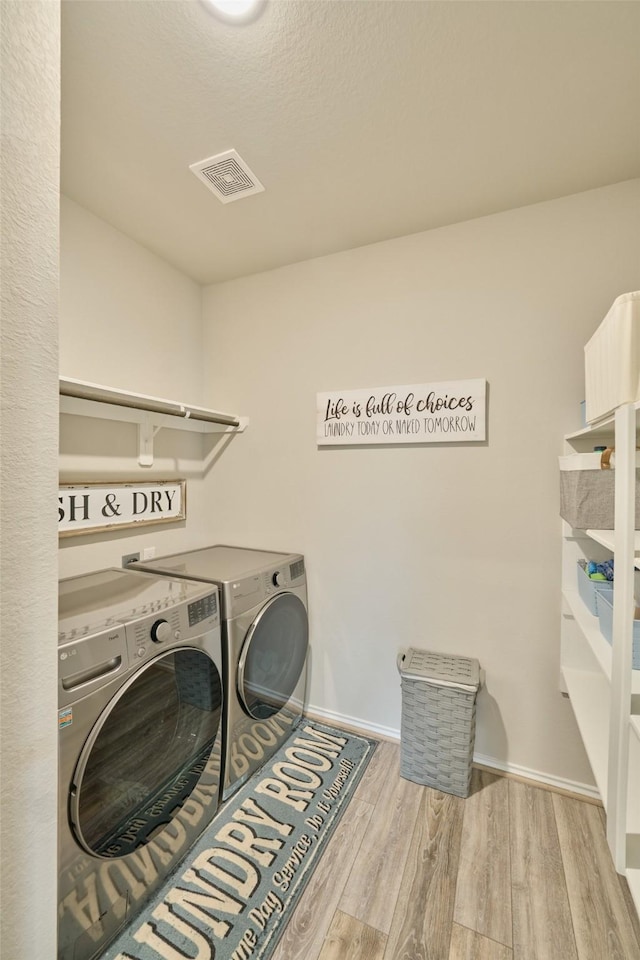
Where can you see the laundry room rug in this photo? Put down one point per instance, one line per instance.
(233, 895)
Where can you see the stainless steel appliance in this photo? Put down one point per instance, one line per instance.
(140, 724)
(265, 639)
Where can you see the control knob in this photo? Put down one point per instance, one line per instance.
(160, 631)
(278, 579)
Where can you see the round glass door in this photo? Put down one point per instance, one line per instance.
(146, 754)
(273, 656)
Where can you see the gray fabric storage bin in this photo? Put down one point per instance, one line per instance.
(438, 719)
(587, 496)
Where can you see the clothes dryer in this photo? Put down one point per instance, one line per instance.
(140, 711)
(265, 640)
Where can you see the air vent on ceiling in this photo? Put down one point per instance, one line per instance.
(228, 176)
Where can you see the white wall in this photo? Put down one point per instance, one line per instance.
(127, 318)
(30, 84)
(131, 321)
(452, 547)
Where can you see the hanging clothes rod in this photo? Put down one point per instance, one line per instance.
(138, 401)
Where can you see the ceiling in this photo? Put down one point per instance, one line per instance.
(363, 119)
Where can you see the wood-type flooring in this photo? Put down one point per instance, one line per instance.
(514, 872)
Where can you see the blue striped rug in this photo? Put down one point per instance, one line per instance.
(235, 891)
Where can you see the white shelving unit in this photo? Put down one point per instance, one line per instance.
(598, 677)
(80, 398)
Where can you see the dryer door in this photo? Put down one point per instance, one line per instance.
(273, 656)
(146, 753)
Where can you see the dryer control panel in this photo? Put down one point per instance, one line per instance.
(284, 576)
(246, 593)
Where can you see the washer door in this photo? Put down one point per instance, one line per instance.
(146, 753)
(273, 656)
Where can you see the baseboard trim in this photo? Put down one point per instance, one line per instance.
(557, 784)
(354, 724)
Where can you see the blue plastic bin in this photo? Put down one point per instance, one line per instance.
(605, 616)
(590, 590)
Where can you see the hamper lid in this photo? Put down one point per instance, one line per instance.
(446, 670)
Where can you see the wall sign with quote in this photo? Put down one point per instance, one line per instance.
(452, 411)
(91, 507)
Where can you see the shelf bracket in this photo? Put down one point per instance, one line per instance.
(146, 434)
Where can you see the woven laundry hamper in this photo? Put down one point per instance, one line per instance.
(438, 719)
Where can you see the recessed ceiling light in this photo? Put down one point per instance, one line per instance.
(235, 11)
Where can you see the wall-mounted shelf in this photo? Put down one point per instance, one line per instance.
(603, 687)
(83, 399)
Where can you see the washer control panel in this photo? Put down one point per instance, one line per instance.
(160, 631)
(111, 621)
(177, 624)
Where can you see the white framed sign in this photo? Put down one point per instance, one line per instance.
(452, 411)
(91, 507)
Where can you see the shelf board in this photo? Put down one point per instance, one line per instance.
(590, 627)
(149, 414)
(93, 399)
(633, 806)
(633, 867)
(603, 428)
(633, 879)
(606, 538)
(606, 428)
(590, 696)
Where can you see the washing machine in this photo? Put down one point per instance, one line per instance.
(265, 641)
(140, 743)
